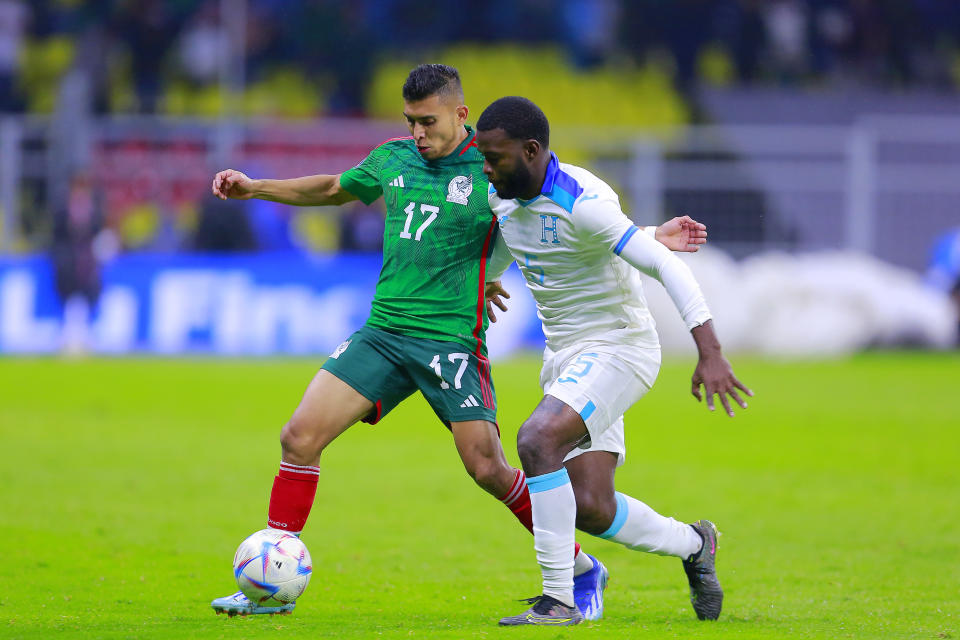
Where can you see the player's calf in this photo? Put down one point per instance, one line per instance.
(595, 511)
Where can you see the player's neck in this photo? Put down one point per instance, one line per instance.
(461, 136)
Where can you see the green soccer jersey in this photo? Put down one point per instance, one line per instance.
(436, 239)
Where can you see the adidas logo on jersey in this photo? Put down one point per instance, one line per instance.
(397, 182)
(469, 402)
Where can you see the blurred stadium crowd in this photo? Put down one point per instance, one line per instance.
(161, 55)
(645, 61)
(114, 115)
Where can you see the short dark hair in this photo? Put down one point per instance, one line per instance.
(431, 80)
(519, 117)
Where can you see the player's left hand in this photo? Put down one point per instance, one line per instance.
(682, 234)
(716, 375)
(492, 293)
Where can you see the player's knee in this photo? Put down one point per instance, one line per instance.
(595, 512)
(300, 443)
(534, 445)
(487, 473)
(527, 445)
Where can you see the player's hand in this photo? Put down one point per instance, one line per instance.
(492, 293)
(716, 376)
(682, 234)
(232, 184)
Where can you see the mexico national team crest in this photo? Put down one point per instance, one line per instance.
(343, 347)
(460, 189)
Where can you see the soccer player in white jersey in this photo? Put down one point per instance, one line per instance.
(581, 257)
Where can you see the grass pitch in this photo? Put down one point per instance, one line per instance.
(126, 486)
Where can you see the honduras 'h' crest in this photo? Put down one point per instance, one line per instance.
(460, 189)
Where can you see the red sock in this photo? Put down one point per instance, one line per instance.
(292, 497)
(517, 500)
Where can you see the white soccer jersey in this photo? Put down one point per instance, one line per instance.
(567, 242)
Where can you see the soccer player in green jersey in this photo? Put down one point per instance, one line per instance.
(428, 317)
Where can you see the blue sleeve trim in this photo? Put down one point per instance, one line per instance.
(548, 481)
(625, 239)
(618, 520)
(587, 410)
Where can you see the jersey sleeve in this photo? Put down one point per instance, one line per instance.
(597, 217)
(500, 258)
(602, 218)
(363, 180)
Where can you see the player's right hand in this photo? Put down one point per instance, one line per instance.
(232, 184)
(492, 293)
(682, 234)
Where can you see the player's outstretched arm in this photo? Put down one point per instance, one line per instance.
(714, 372)
(682, 233)
(318, 190)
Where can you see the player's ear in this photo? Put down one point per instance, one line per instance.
(531, 149)
(462, 112)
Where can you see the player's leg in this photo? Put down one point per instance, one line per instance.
(362, 379)
(581, 385)
(361, 382)
(478, 443)
(328, 408)
(620, 518)
(544, 439)
(623, 519)
(616, 516)
(458, 387)
(594, 506)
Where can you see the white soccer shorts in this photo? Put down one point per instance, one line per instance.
(600, 380)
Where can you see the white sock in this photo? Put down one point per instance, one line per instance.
(582, 563)
(554, 521)
(640, 528)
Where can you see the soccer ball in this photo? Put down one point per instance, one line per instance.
(272, 567)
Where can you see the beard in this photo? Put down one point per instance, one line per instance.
(514, 184)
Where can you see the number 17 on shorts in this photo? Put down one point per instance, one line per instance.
(460, 388)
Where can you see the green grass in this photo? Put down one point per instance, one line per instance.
(126, 486)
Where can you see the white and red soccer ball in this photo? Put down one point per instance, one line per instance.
(272, 567)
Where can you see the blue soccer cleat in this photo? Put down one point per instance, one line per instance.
(240, 605)
(588, 590)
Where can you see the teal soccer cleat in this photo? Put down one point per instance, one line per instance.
(240, 605)
(588, 590)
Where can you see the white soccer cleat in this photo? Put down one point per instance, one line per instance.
(240, 605)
